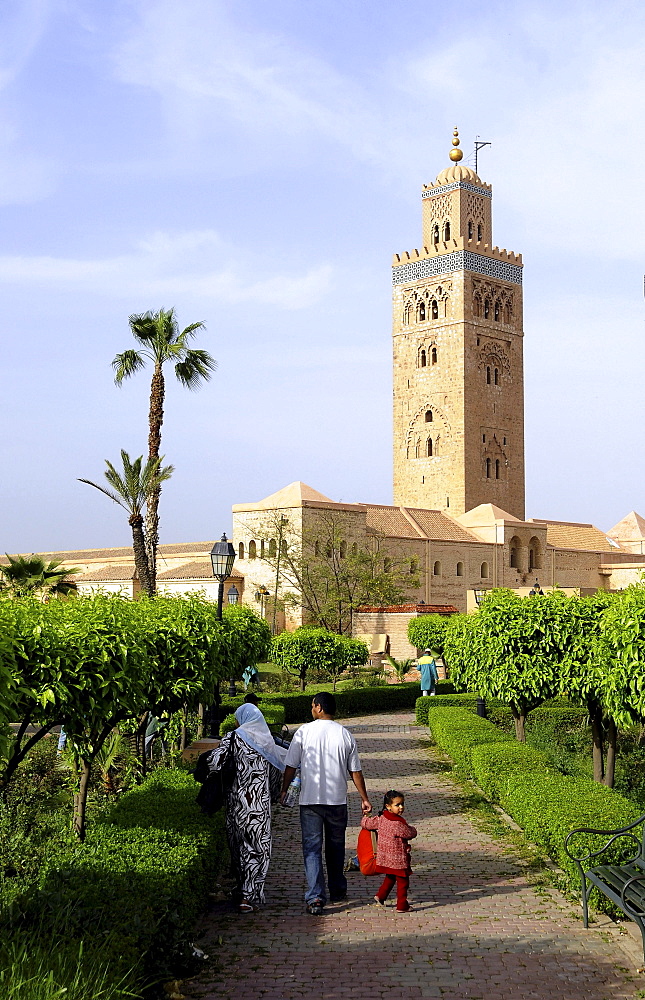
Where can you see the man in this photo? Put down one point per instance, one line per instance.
(326, 753)
(428, 668)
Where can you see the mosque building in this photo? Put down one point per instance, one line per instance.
(458, 518)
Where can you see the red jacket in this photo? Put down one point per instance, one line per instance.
(393, 850)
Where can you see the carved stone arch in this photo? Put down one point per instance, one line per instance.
(418, 428)
(493, 356)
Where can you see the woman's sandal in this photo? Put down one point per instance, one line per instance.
(245, 907)
(381, 902)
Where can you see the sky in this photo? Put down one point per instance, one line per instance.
(255, 165)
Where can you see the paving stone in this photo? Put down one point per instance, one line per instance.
(478, 929)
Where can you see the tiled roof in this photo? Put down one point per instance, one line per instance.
(195, 570)
(390, 521)
(420, 609)
(585, 537)
(103, 574)
(439, 527)
(86, 555)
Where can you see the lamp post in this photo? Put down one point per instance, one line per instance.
(536, 590)
(261, 595)
(222, 559)
(481, 702)
(233, 595)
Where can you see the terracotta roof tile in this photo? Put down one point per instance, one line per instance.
(420, 609)
(585, 537)
(103, 574)
(389, 521)
(440, 527)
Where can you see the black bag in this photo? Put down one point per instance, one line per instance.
(212, 795)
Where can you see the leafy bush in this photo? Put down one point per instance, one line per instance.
(353, 701)
(315, 648)
(272, 711)
(457, 731)
(466, 700)
(429, 631)
(492, 764)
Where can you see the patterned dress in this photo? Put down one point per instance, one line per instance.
(256, 784)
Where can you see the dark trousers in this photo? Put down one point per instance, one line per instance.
(402, 883)
(330, 821)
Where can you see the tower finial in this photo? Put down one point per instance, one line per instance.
(455, 154)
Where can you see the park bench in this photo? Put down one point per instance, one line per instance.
(623, 884)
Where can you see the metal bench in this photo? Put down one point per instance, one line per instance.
(623, 884)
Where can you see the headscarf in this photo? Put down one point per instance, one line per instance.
(254, 731)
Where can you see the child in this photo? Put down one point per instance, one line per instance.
(393, 849)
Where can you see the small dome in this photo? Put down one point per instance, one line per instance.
(457, 172)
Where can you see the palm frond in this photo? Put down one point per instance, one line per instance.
(132, 487)
(194, 368)
(103, 490)
(127, 364)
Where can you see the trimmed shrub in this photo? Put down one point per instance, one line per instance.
(457, 731)
(492, 764)
(354, 701)
(272, 711)
(466, 700)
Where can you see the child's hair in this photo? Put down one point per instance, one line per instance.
(390, 796)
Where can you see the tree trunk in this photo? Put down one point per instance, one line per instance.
(140, 554)
(80, 799)
(201, 712)
(595, 715)
(155, 420)
(303, 682)
(519, 717)
(610, 768)
(141, 741)
(19, 753)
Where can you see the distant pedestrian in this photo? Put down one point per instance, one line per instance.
(393, 849)
(428, 667)
(326, 754)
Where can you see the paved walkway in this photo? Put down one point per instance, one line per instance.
(477, 930)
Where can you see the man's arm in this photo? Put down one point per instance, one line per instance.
(287, 778)
(359, 781)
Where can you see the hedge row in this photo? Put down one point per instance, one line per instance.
(354, 701)
(273, 712)
(544, 802)
(141, 879)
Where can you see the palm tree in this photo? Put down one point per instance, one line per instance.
(34, 575)
(132, 489)
(160, 341)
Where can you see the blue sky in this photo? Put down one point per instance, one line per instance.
(255, 165)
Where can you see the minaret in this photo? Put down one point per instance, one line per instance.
(458, 364)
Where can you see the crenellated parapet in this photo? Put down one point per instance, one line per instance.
(456, 255)
(459, 243)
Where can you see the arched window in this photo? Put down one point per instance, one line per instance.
(422, 358)
(262, 549)
(497, 468)
(417, 448)
(422, 311)
(387, 565)
(535, 554)
(414, 566)
(480, 232)
(434, 355)
(316, 548)
(328, 550)
(486, 308)
(252, 550)
(241, 550)
(435, 309)
(514, 552)
(446, 231)
(483, 571)
(429, 448)
(498, 310)
(343, 549)
(470, 229)
(508, 312)
(435, 235)
(436, 569)
(354, 549)
(496, 376)
(487, 374)
(477, 306)
(428, 416)
(283, 547)
(272, 548)
(488, 468)
(460, 569)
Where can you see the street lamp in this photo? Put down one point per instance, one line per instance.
(481, 702)
(222, 559)
(536, 590)
(261, 595)
(233, 595)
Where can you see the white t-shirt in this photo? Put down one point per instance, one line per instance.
(325, 752)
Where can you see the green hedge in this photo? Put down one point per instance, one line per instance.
(140, 880)
(354, 701)
(544, 802)
(272, 711)
(465, 700)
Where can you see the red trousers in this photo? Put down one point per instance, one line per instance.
(402, 883)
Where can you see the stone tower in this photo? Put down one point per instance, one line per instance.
(458, 368)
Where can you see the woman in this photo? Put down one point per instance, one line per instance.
(257, 778)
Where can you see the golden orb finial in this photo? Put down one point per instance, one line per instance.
(455, 154)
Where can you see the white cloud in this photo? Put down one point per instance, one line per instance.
(165, 265)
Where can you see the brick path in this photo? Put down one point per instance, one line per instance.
(477, 930)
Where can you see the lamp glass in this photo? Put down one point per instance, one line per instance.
(222, 558)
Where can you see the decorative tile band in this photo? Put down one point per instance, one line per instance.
(464, 185)
(458, 260)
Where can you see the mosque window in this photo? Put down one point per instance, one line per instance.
(252, 550)
(435, 309)
(483, 571)
(417, 449)
(503, 440)
(241, 550)
(483, 439)
(272, 548)
(434, 355)
(446, 232)
(514, 553)
(422, 311)
(435, 235)
(387, 565)
(535, 554)
(460, 569)
(428, 416)
(406, 315)
(486, 308)
(422, 358)
(488, 465)
(477, 307)
(487, 374)
(429, 448)
(508, 312)
(436, 569)
(343, 549)
(470, 229)
(498, 310)
(497, 468)
(496, 375)
(480, 232)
